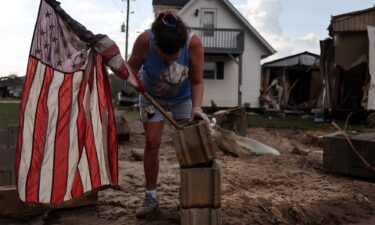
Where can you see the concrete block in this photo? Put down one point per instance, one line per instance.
(16, 208)
(200, 187)
(193, 145)
(7, 177)
(123, 130)
(202, 216)
(8, 141)
(338, 157)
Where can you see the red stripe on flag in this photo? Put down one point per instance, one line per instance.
(112, 134)
(92, 156)
(60, 170)
(123, 72)
(30, 74)
(109, 53)
(77, 188)
(39, 134)
(100, 86)
(90, 145)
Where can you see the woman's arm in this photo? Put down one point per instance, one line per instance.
(196, 71)
(140, 51)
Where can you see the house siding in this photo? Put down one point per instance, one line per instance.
(225, 92)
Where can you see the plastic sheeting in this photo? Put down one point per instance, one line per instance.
(371, 93)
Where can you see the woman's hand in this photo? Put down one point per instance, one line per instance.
(198, 114)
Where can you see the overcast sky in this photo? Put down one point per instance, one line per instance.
(290, 26)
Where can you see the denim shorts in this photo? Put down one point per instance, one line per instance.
(178, 109)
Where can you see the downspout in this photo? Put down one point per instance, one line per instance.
(240, 80)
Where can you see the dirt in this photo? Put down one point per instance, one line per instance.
(259, 189)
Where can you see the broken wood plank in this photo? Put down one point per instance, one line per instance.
(234, 119)
(239, 146)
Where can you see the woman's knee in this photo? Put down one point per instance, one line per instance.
(153, 145)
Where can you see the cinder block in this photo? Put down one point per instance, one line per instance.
(193, 145)
(16, 208)
(8, 141)
(12, 135)
(338, 157)
(123, 130)
(6, 177)
(202, 216)
(200, 187)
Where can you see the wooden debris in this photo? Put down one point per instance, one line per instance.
(239, 146)
(123, 130)
(214, 107)
(275, 212)
(371, 120)
(234, 119)
(297, 150)
(137, 154)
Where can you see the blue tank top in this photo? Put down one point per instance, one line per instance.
(166, 81)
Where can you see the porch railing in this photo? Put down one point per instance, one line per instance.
(221, 40)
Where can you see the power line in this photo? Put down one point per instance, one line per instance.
(118, 7)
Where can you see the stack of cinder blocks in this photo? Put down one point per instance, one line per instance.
(8, 140)
(200, 176)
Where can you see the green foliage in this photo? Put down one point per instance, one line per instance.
(299, 123)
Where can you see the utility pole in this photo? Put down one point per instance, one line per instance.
(127, 29)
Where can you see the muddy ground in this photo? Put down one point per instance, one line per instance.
(263, 189)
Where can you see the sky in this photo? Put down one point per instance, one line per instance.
(289, 26)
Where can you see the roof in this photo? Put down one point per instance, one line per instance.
(353, 21)
(244, 21)
(180, 3)
(302, 59)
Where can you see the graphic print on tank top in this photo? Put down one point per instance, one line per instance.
(171, 80)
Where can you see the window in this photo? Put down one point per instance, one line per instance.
(208, 23)
(213, 70)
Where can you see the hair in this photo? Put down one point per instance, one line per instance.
(170, 32)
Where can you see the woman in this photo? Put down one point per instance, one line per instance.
(172, 60)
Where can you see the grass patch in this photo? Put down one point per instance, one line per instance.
(300, 123)
(8, 114)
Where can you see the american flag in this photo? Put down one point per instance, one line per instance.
(67, 142)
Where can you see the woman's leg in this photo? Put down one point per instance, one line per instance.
(153, 133)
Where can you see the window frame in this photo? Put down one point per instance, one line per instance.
(218, 70)
(209, 32)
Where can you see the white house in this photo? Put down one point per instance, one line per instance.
(233, 50)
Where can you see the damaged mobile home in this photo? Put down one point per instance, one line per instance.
(292, 82)
(348, 64)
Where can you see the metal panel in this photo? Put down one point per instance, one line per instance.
(356, 21)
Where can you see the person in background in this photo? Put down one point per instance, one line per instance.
(171, 60)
